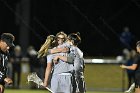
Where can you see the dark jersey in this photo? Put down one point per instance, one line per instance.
(137, 71)
(3, 67)
(137, 61)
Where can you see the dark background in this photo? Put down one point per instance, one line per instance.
(100, 22)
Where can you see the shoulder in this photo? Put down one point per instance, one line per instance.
(137, 58)
(50, 56)
(79, 52)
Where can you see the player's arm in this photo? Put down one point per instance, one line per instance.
(48, 69)
(58, 50)
(47, 73)
(69, 59)
(132, 67)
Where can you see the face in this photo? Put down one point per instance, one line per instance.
(60, 39)
(4, 47)
(138, 49)
(72, 42)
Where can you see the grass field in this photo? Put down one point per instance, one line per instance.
(105, 76)
(98, 77)
(41, 91)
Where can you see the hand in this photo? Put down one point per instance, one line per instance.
(8, 81)
(122, 66)
(45, 84)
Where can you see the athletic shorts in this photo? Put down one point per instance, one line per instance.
(137, 80)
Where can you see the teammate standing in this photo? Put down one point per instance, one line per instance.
(59, 40)
(79, 65)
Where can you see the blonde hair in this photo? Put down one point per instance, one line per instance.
(44, 48)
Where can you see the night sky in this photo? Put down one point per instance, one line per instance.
(100, 22)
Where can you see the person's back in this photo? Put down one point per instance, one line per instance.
(61, 66)
(79, 67)
(63, 70)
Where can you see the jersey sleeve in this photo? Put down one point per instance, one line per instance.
(137, 59)
(49, 58)
(71, 55)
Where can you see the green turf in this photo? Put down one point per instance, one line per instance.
(105, 76)
(102, 77)
(40, 91)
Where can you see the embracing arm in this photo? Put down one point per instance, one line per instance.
(69, 59)
(58, 50)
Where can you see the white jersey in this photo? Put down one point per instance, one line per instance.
(78, 61)
(61, 66)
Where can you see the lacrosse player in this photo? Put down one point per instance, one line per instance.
(79, 66)
(135, 66)
(73, 39)
(64, 67)
(59, 40)
(6, 41)
(47, 49)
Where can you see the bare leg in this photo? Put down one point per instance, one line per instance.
(1, 89)
(137, 90)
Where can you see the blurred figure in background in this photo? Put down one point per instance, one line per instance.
(126, 38)
(33, 62)
(16, 66)
(43, 63)
(32, 55)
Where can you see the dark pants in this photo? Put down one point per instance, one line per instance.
(79, 84)
(130, 78)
